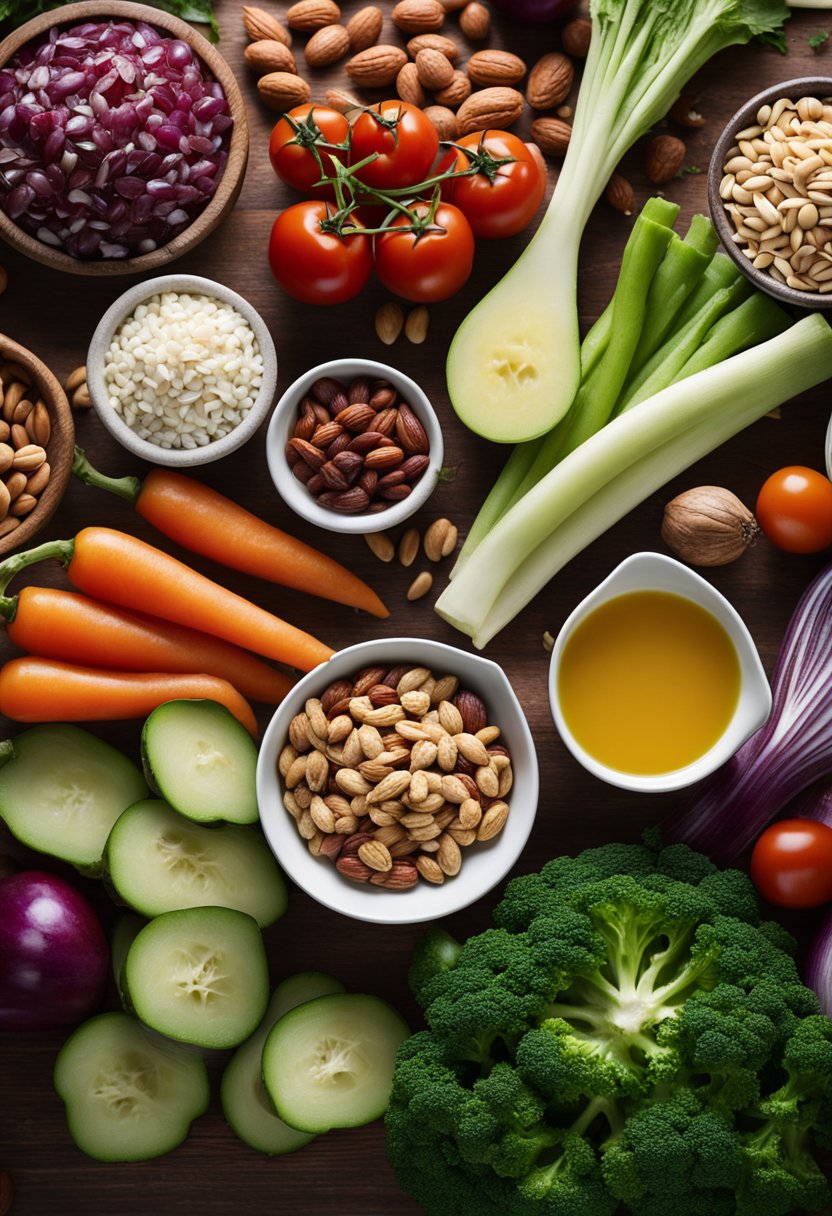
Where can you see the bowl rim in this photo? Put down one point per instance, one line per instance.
(754, 700)
(232, 177)
(798, 86)
(102, 336)
(62, 417)
(295, 494)
(404, 907)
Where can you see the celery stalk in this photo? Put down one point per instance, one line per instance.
(500, 497)
(720, 400)
(756, 320)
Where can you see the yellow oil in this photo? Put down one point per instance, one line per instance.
(648, 682)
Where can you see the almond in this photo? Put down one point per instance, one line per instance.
(381, 460)
(409, 87)
(381, 544)
(440, 541)
(347, 502)
(495, 67)
(473, 711)
(493, 821)
(576, 36)
(551, 135)
(352, 867)
(434, 70)
(375, 855)
(81, 399)
(377, 66)
(475, 21)
(664, 158)
(418, 16)
(269, 55)
(497, 107)
(75, 379)
(327, 45)
(283, 90)
(429, 869)
(309, 15)
(445, 121)
(389, 320)
(550, 80)
(416, 326)
(456, 92)
(433, 42)
(420, 586)
(262, 25)
(620, 194)
(400, 877)
(409, 431)
(364, 27)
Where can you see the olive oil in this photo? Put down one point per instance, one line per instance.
(648, 682)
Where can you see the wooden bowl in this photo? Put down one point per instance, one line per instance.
(60, 448)
(232, 178)
(746, 116)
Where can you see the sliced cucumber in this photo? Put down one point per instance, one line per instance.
(63, 789)
(157, 861)
(247, 1106)
(329, 1063)
(202, 761)
(128, 1097)
(198, 975)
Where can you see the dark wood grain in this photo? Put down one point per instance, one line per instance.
(345, 1173)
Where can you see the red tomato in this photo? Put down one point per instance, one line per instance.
(792, 863)
(497, 200)
(794, 509)
(406, 143)
(430, 265)
(313, 265)
(292, 143)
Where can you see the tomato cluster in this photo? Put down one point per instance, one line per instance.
(382, 194)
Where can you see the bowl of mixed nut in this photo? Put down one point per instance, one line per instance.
(770, 191)
(37, 442)
(398, 782)
(354, 446)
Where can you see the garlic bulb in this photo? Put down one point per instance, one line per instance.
(708, 526)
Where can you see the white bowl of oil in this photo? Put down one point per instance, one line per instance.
(655, 680)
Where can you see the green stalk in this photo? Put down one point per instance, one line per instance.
(128, 488)
(499, 499)
(700, 413)
(756, 320)
(10, 567)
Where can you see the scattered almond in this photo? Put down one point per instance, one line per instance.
(380, 544)
(475, 21)
(575, 37)
(309, 15)
(409, 87)
(389, 321)
(664, 158)
(416, 325)
(456, 92)
(487, 68)
(620, 194)
(445, 121)
(420, 586)
(550, 80)
(327, 45)
(262, 25)
(433, 42)
(418, 16)
(377, 66)
(81, 399)
(551, 135)
(283, 90)
(409, 548)
(269, 55)
(364, 27)
(440, 539)
(435, 70)
(497, 107)
(75, 379)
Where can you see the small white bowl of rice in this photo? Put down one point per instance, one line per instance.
(181, 370)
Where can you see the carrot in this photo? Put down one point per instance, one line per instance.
(62, 625)
(206, 522)
(42, 690)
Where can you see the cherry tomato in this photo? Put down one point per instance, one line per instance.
(293, 139)
(497, 200)
(794, 509)
(430, 265)
(406, 143)
(792, 863)
(313, 265)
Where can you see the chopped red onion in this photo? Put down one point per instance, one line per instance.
(113, 138)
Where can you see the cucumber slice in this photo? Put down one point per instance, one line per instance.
(128, 1098)
(158, 861)
(247, 1106)
(202, 761)
(329, 1063)
(198, 975)
(63, 789)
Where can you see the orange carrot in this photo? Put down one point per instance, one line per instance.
(123, 570)
(42, 690)
(61, 625)
(206, 522)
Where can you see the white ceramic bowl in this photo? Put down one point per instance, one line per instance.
(483, 864)
(295, 494)
(656, 572)
(118, 312)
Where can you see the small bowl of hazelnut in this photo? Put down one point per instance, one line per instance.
(398, 782)
(354, 446)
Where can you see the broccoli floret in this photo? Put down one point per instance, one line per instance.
(629, 1031)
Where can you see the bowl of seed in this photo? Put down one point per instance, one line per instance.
(770, 191)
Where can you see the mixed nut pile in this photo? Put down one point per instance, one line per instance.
(393, 773)
(357, 447)
(25, 429)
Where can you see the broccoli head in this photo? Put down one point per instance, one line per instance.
(629, 1031)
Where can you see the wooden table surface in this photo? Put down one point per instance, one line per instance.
(345, 1172)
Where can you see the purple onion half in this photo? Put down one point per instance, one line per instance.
(113, 138)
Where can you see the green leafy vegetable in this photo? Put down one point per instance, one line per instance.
(630, 1031)
(14, 13)
(816, 41)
